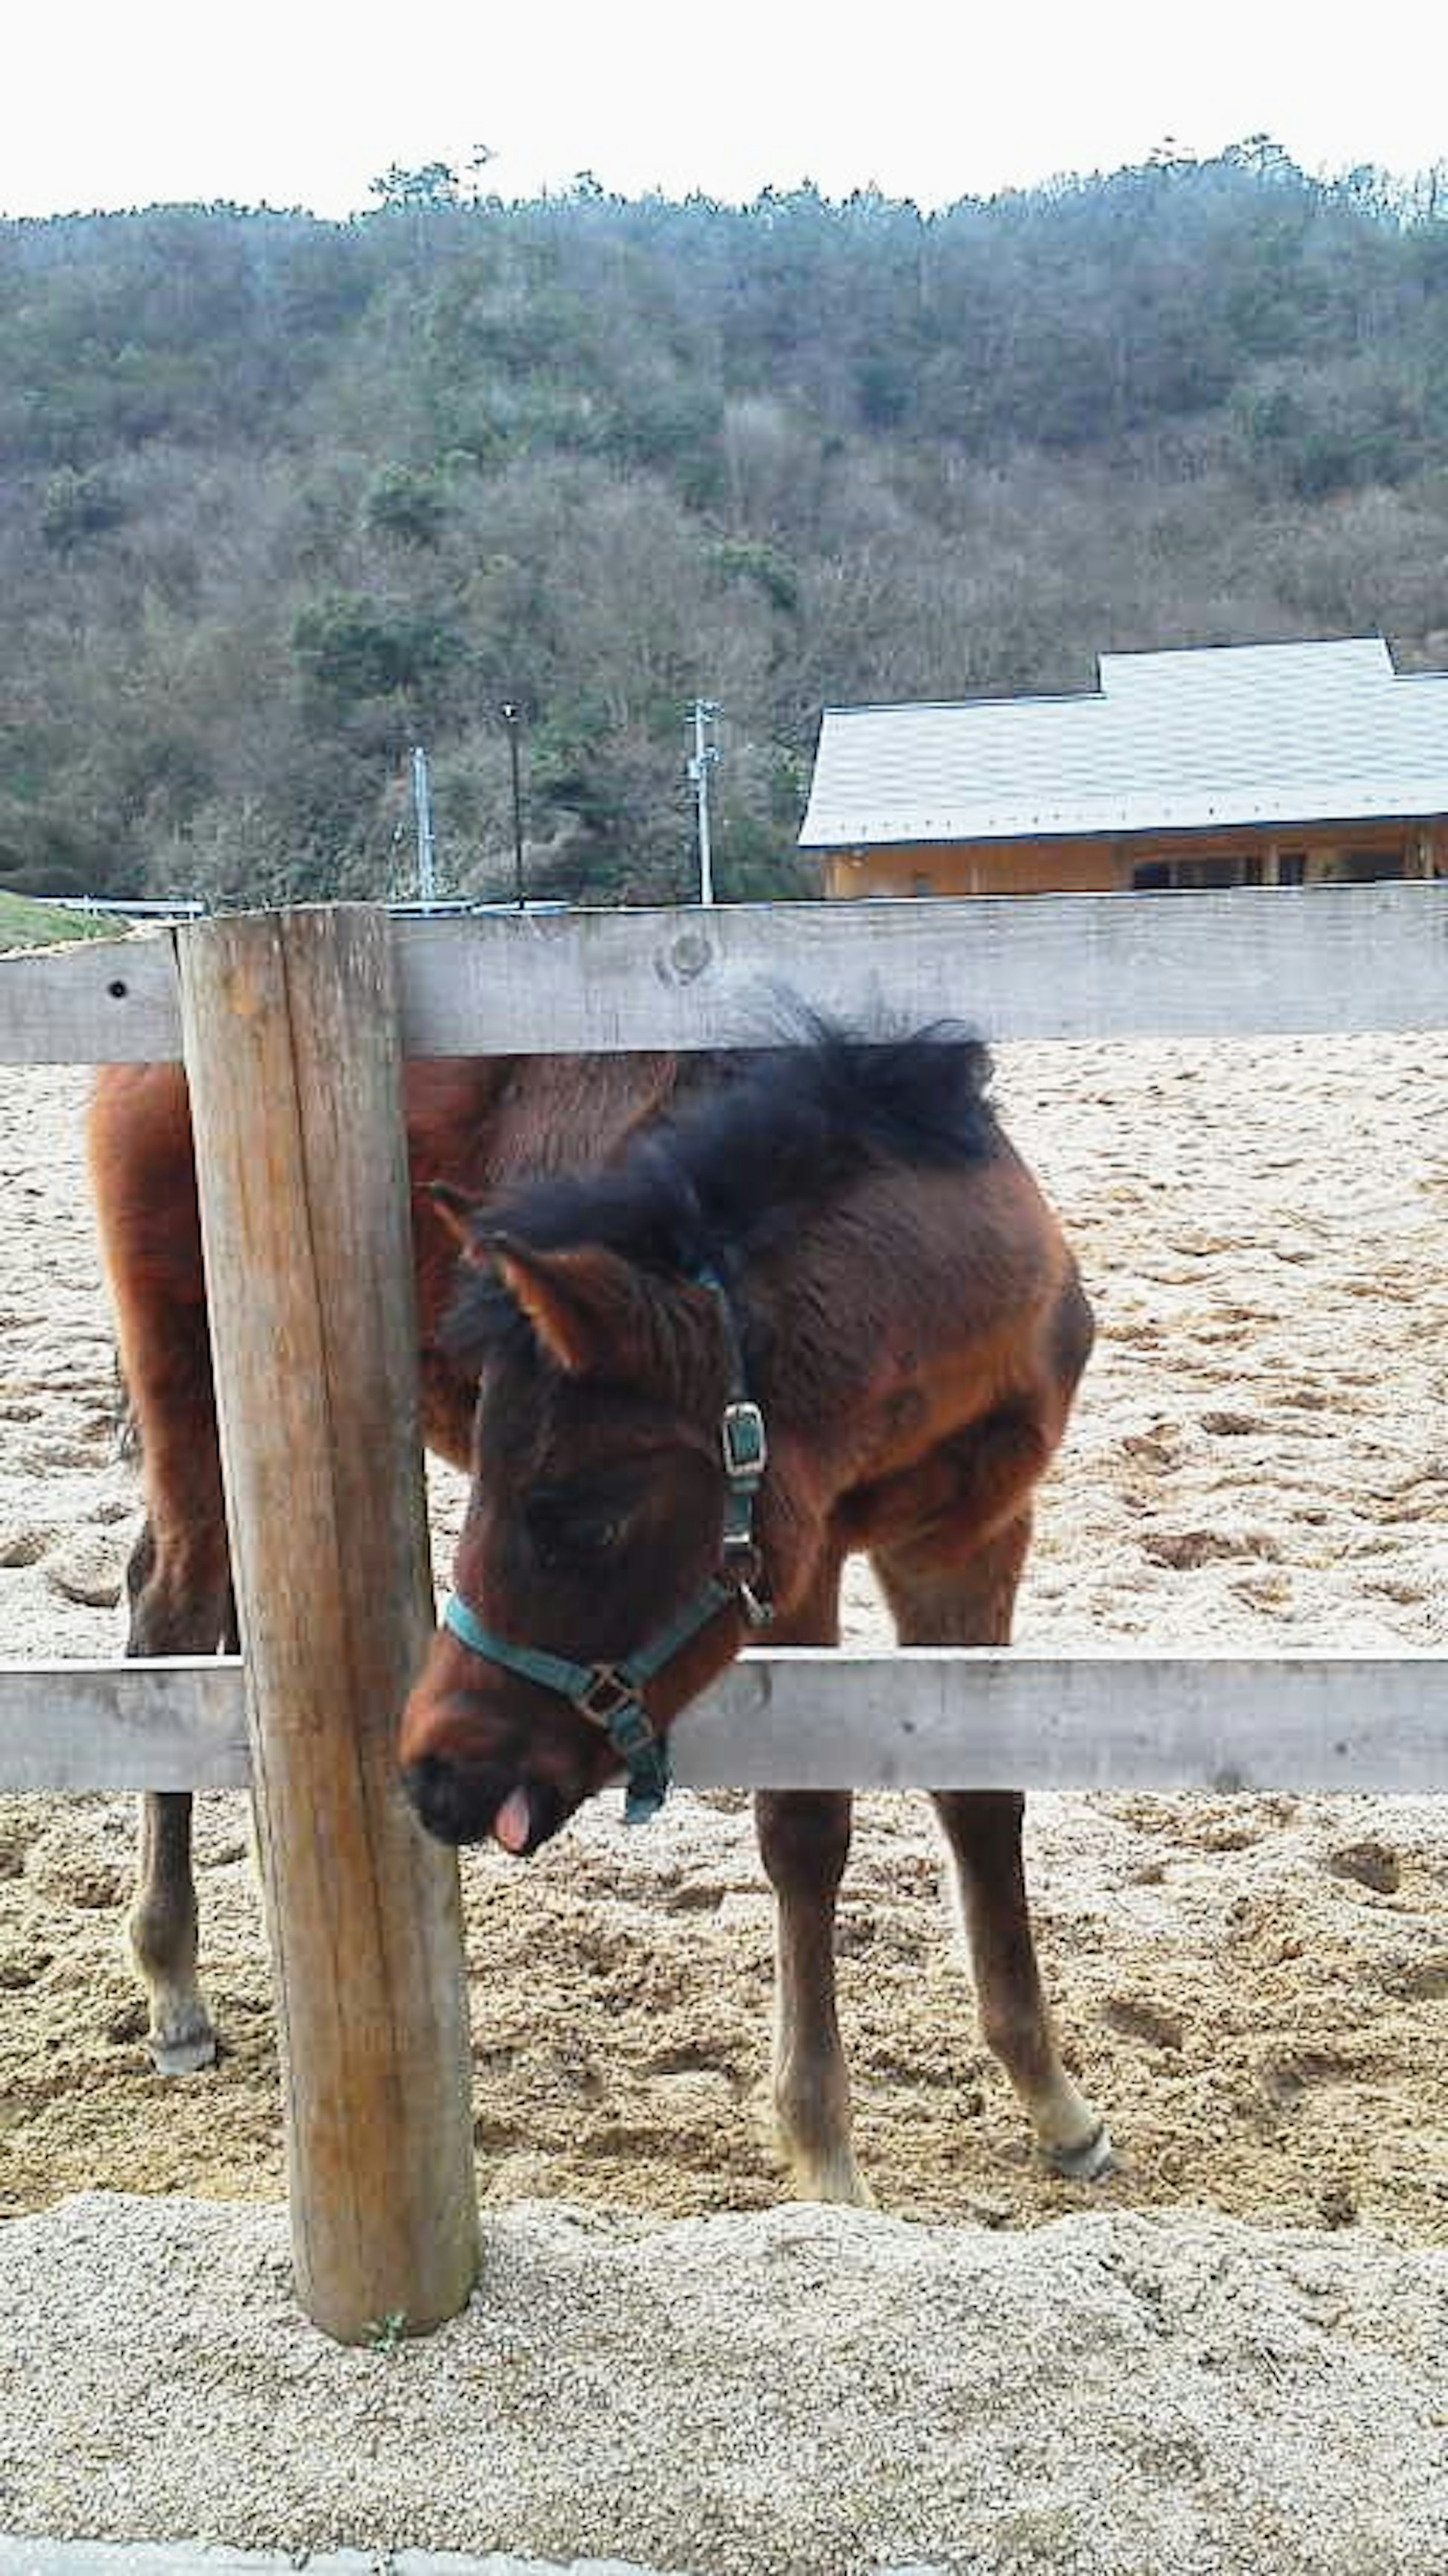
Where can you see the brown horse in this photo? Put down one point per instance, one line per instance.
(722, 1320)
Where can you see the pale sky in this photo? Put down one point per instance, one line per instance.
(111, 103)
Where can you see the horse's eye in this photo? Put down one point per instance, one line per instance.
(593, 1537)
(570, 1535)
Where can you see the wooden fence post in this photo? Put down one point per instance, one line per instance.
(293, 1058)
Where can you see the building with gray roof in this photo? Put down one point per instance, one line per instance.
(1237, 764)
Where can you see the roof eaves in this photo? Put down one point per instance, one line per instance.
(952, 706)
(1060, 824)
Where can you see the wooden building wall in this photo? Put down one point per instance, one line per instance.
(1320, 854)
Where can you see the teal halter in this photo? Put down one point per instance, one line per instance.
(611, 1695)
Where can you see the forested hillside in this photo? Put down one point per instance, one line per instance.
(283, 497)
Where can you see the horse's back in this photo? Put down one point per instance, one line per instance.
(475, 1122)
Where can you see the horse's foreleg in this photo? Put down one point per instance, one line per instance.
(971, 1604)
(804, 1839)
(804, 1842)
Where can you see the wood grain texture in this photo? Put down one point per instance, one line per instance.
(802, 1718)
(94, 1001)
(1255, 961)
(1248, 962)
(925, 1717)
(291, 1050)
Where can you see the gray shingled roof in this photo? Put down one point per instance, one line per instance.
(1169, 742)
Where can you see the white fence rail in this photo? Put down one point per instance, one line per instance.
(1255, 962)
(804, 1718)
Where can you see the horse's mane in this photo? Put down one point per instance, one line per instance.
(751, 1140)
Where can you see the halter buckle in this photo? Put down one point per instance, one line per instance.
(605, 1695)
(743, 1442)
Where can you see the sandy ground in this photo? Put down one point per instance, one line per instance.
(1252, 1989)
(799, 2392)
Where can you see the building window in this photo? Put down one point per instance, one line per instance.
(1209, 872)
(1195, 874)
(1362, 867)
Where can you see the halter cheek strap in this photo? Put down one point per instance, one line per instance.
(611, 1695)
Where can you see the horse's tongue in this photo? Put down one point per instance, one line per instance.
(513, 1822)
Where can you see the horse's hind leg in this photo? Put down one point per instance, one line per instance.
(971, 1604)
(804, 1841)
(162, 1930)
(984, 1834)
(144, 1191)
(180, 1596)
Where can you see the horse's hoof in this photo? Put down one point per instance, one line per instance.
(186, 2054)
(840, 2184)
(1087, 2162)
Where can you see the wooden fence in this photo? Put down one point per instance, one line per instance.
(292, 1027)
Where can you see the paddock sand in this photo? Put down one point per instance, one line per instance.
(1230, 2355)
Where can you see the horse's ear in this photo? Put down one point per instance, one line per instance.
(458, 1212)
(583, 1304)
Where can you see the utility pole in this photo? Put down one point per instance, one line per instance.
(422, 804)
(706, 754)
(510, 715)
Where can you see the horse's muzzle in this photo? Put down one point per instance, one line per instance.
(457, 1805)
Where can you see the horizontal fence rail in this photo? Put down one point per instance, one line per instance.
(1253, 961)
(813, 1718)
(165, 1723)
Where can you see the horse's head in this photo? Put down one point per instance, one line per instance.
(606, 1569)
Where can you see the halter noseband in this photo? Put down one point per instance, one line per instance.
(611, 1695)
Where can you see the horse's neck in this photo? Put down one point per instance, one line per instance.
(570, 1114)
